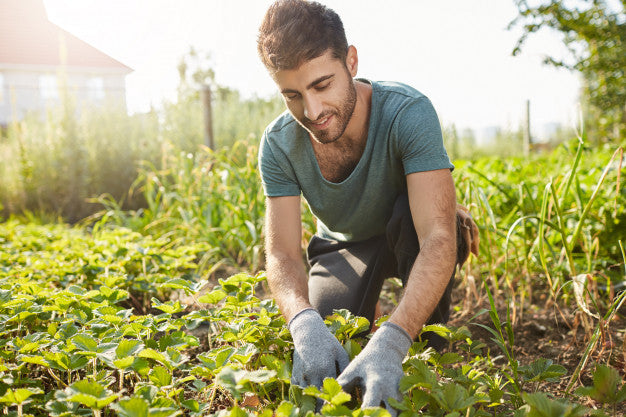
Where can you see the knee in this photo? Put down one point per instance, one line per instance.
(326, 299)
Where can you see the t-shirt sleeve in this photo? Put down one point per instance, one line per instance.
(278, 179)
(419, 138)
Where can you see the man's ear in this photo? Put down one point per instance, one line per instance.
(352, 61)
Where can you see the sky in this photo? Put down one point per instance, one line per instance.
(456, 52)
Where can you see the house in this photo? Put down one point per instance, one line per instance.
(37, 57)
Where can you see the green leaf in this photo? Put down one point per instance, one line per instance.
(352, 347)
(332, 392)
(605, 389)
(57, 408)
(449, 358)
(37, 360)
(420, 375)
(542, 406)
(454, 397)
(286, 409)
(160, 376)
(19, 395)
(282, 368)
(141, 366)
(124, 362)
(157, 356)
(90, 394)
(169, 307)
(114, 295)
(237, 381)
(542, 370)
(133, 407)
(180, 284)
(128, 347)
(64, 362)
(164, 412)
(439, 329)
(85, 342)
(213, 297)
(192, 405)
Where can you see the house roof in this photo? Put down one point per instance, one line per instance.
(27, 37)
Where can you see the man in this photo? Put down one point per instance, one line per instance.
(368, 157)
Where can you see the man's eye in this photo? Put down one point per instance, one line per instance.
(322, 87)
(291, 96)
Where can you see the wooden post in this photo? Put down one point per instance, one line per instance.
(527, 136)
(205, 94)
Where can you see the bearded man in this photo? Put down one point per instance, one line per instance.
(369, 159)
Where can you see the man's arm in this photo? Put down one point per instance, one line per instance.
(432, 199)
(286, 273)
(317, 353)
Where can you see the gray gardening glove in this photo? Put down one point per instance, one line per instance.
(378, 368)
(317, 353)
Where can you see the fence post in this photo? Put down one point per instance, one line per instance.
(205, 94)
(527, 137)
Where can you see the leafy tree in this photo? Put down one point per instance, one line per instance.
(594, 32)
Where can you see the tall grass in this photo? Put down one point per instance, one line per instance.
(550, 225)
(211, 196)
(52, 165)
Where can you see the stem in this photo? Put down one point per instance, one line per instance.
(593, 197)
(594, 339)
(212, 398)
(542, 220)
(56, 378)
(562, 232)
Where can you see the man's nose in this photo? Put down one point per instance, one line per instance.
(312, 107)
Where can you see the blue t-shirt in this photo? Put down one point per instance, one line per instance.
(404, 136)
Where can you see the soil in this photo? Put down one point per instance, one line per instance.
(545, 330)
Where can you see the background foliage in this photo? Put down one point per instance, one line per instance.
(595, 33)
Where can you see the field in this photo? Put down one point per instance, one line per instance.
(163, 309)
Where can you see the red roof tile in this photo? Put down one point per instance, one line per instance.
(27, 37)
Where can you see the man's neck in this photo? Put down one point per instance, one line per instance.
(356, 131)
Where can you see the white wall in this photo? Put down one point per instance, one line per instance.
(21, 89)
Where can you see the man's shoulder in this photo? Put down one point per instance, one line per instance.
(397, 90)
(282, 136)
(396, 98)
(283, 125)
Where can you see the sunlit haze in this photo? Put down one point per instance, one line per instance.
(456, 52)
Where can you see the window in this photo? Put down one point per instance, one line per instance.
(95, 88)
(48, 87)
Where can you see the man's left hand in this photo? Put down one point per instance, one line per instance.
(378, 368)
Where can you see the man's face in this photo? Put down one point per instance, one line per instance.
(320, 94)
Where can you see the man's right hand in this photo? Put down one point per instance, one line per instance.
(317, 352)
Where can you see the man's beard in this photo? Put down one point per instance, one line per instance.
(342, 117)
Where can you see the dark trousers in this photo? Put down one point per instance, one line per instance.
(350, 275)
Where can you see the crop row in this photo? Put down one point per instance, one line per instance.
(92, 323)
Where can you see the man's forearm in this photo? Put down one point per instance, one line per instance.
(287, 279)
(427, 281)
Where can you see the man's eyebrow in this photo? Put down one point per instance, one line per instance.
(311, 85)
(319, 80)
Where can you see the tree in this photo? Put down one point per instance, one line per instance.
(594, 32)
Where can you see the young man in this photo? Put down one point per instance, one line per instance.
(368, 157)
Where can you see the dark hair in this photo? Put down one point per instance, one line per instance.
(296, 31)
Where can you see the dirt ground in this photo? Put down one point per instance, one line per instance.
(544, 330)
